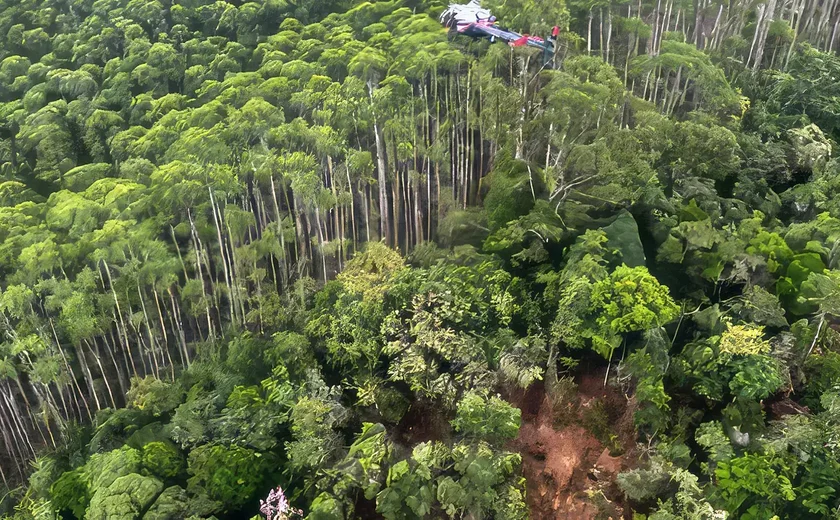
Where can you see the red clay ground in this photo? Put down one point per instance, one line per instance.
(563, 462)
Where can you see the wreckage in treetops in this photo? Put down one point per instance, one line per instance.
(477, 22)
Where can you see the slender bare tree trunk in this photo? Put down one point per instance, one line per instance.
(764, 29)
(279, 220)
(609, 34)
(10, 439)
(384, 223)
(72, 374)
(153, 342)
(716, 29)
(27, 404)
(654, 35)
(127, 345)
(758, 25)
(339, 234)
(176, 315)
(352, 205)
(228, 283)
(321, 242)
(88, 377)
(365, 198)
(96, 358)
(3, 477)
(121, 383)
(15, 416)
(197, 246)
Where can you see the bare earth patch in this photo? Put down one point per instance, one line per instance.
(570, 473)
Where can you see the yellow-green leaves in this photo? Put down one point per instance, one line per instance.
(486, 418)
(367, 272)
(744, 340)
(629, 300)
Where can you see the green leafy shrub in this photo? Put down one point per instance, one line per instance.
(162, 460)
(104, 468)
(479, 486)
(368, 271)
(49, 468)
(172, 504)
(70, 493)
(630, 299)
(113, 427)
(712, 438)
(486, 418)
(822, 373)
(645, 484)
(190, 420)
(510, 193)
(291, 350)
(326, 507)
(653, 411)
(153, 395)
(315, 419)
(521, 360)
(391, 403)
(231, 475)
(564, 400)
(125, 499)
(244, 356)
(596, 420)
(250, 419)
(409, 490)
(755, 482)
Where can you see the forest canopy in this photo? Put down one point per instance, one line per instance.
(328, 259)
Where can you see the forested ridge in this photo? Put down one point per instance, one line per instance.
(327, 245)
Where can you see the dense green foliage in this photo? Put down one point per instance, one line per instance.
(318, 243)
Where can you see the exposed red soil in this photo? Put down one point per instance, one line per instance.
(563, 462)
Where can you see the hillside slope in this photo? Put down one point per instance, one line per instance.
(327, 246)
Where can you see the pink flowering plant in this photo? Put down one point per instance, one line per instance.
(276, 506)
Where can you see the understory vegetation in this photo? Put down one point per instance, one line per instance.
(320, 244)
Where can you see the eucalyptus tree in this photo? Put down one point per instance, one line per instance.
(369, 65)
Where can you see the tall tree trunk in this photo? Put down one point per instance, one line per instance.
(127, 344)
(609, 34)
(279, 220)
(96, 358)
(11, 436)
(339, 235)
(236, 277)
(88, 377)
(121, 382)
(367, 204)
(228, 279)
(758, 27)
(395, 193)
(197, 247)
(176, 315)
(153, 342)
(384, 223)
(654, 35)
(16, 415)
(321, 242)
(352, 205)
(601, 33)
(27, 404)
(72, 374)
(765, 29)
